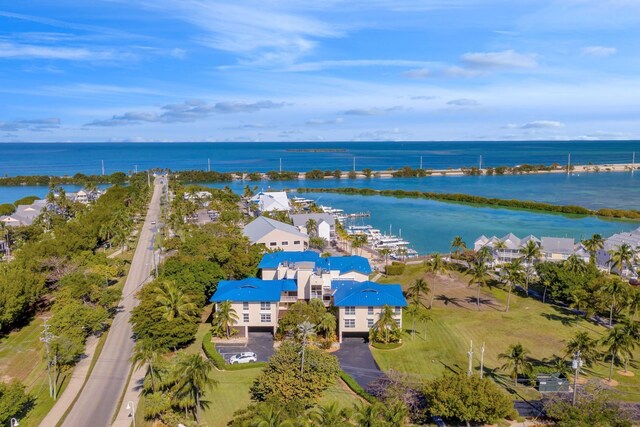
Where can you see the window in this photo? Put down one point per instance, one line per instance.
(349, 311)
(265, 306)
(370, 311)
(273, 243)
(245, 306)
(265, 317)
(369, 323)
(398, 322)
(245, 317)
(296, 242)
(349, 323)
(285, 243)
(397, 310)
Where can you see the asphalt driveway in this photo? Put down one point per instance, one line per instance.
(261, 343)
(356, 360)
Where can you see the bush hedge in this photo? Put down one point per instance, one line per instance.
(218, 361)
(394, 269)
(389, 346)
(355, 387)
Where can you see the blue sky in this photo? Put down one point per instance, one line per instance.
(289, 70)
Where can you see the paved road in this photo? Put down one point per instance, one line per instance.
(356, 360)
(97, 403)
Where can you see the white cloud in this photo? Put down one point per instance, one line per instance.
(352, 63)
(33, 125)
(30, 51)
(536, 124)
(395, 134)
(375, 111)
(599, 51)
(464, 102)
(418, 73)
(503, 59)
(319, 122)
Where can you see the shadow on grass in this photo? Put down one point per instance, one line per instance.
(566, 320)
(450, 300)
(483, 302)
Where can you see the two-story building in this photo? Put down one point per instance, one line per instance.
(287, 277)
(275, 235)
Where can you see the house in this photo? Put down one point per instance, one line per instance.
(287, 277)
(275, 235)
(271, 201)
(509, 247)
(325, 224)
(557, 248)
(84, 196)
(631, 238)
(24, 214)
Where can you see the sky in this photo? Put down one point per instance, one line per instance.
(292, 70)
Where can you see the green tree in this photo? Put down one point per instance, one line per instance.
(516, 361)
(418, 289)
(616, 289)
(531, 254)
(327, 325)
(485, 255)
(574, 264)
(479, 272)
(307, 330)
(587, 346)
(621, 257)
(13, 401)
(593, 245)
(330, 415)
(456, 244)
(385, 252)
(468, 399)
(436, 265)
(368, 415)
(191, 373)
(385, 330)
(224, 318)
(146, 353)
(358, 242)
(618, 344)
(312, 227)
(513, 274)
(173, 303)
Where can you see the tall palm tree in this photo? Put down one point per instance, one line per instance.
(516, 361)
(192, 376)
(574, 264)
(413, 310)
(593, 245)
(385, 252)
(268, 415)
(225, 317)
(172, 302)
(359, 240)
(499, 246)
(366, 415)
(617, 290)
(530, 253)
(418, 289)
(513, 274)
(633, 303)
(631, 329)
(330, 415)
(587, 346)
(312, 227)
(386, 327)
(618, 343)
(145, 352)
(621, 256)
(436, 265)
(479, 272)
(327, 325)
(306, 330)
(485, 255)
(456, 244)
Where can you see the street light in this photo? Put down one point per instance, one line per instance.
(131, 407)
(576, 364)
(14, 422)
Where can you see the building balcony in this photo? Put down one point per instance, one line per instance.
(288, 298)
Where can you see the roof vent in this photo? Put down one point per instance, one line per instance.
(370, 290)
(248, 287)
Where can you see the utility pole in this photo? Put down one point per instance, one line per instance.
(102, 167)
(470, 354)
(576, 364)
(569, 164)
(280, 164)
(482, 361)
(148, 179)
(420, 162)
(480, 162)
(354, 163)
(46, 338)
(633, 162)
(208, 165)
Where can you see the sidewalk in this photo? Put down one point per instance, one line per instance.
(132, 394)
(73, 388)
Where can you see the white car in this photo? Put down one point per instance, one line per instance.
(246, 357)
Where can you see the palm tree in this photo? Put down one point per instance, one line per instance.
(499, 246)
(312, 227)
(616, 289)
(479, 272)
(327, 325)
(485, 255)
(172, 302)
(574, 264)
(403, 253)
(367, 415)
(192, 376)
(145, 352)
(307, 330)
(621, 256)
(270, 416)
(330, 415)
(513, 275)
(587, 346)
(418, 288)
(436, 265)
(385, 328)
(395, 413)
(225, 317)
(593, 245)
(618, 343)
(531, 253)
(631, 329)
(385, 252)
(456, 244)
(516, 361)
(633, 303)
(413, 310)
(359, 240)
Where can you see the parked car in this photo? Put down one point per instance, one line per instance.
(245, 357)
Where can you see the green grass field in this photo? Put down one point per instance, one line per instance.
(541, 328)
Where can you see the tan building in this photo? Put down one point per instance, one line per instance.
(276, 235)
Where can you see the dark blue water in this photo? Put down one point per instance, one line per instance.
(69, 158)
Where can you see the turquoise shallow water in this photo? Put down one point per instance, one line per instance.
(431, 225)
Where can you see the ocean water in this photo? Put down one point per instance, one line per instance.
(70, 158)
(430, 225)
(11, 194)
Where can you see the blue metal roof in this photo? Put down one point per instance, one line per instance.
(344, 264)
(252, 290)
(366, 294)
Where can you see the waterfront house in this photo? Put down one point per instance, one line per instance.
(271, 201)
(325, 224)
(287, 277)
(508, 248)
(275, 235)
(24, 214)
(631, 238)
(557, 248)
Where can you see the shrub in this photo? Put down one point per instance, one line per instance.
(355, 387)
(389, 346)
(395, 269)
(210, 351)
(314, 174)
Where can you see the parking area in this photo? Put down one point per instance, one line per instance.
(261, 343)
(356, 360)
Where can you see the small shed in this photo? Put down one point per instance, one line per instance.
(552, 383)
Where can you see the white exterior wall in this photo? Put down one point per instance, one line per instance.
(361, 319)
(279, 237)
(324, 231)
(254, 312)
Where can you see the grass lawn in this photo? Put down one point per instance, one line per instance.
(21, 358)
(543, 329)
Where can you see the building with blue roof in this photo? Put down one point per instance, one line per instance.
(287, 277)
